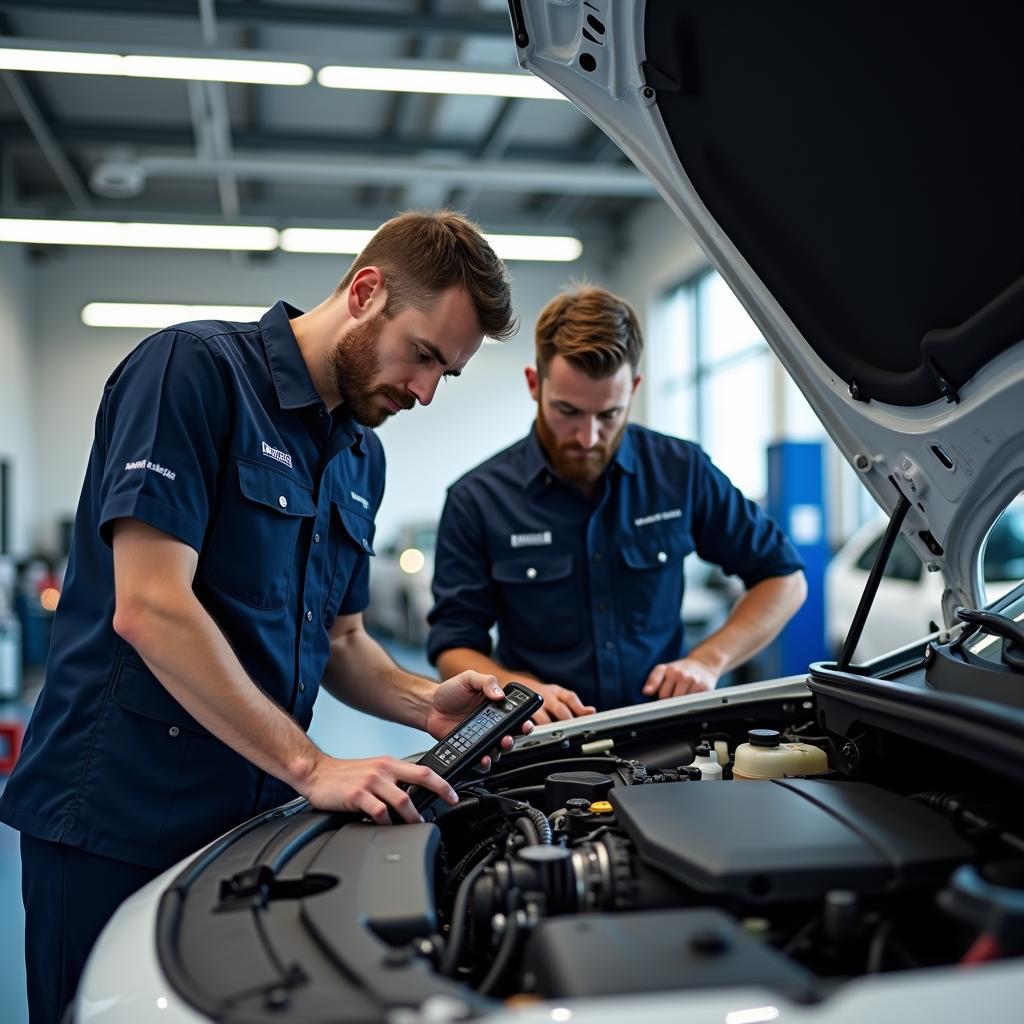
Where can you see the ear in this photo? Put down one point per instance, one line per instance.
(366, 292)
(636, 383)
(533, 382)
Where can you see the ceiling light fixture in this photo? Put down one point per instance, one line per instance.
(544, 248)
(199, 69)
(254, 238)
(148, 315)
(434, 80)
(139, 235)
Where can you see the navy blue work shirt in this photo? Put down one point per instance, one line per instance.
(213, 433)
(587, 592)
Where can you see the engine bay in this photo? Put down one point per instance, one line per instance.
(617, 860)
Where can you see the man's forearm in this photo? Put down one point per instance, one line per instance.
(186, 651)
(458, 659)
(755, 620)
(360, 673)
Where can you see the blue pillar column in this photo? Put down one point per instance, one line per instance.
(796, 501)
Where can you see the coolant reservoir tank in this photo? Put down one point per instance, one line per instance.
(765, 756)
(707, 761)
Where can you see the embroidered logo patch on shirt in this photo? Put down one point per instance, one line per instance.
(154, 466)
(277, 454)
(362, 501)
(530, 540)
(657, 517)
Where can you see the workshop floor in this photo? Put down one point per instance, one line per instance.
(336, 729)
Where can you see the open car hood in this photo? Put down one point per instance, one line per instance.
(855, 174)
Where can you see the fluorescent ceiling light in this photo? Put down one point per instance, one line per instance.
(236, 237)
(200, 69)
(471, 83)
(139, 235)
(159, 314)
(545, 248)
(325, 240)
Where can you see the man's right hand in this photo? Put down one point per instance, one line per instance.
(370, 785)
(559, 703)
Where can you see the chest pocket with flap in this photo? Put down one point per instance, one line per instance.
(539, 603)
(650, 593)
(250, 548)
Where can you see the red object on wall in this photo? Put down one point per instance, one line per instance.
(10, 745)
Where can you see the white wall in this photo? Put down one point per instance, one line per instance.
(17, 445)
(485, 409)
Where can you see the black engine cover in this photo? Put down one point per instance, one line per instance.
(654, 951)
(787, 839)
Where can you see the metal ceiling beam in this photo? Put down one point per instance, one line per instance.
(31, 108)
(366, 143)
(289, 14)
(492, 146)
(504, 175)
(208, 102)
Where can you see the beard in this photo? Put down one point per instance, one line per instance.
(570, 461)
(353, 366)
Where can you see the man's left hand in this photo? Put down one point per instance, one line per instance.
(674, 678)
(455, 698)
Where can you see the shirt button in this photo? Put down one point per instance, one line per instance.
(282, 501)
(174, 730)
(602, 606)
(596, 556)
(531, 573)
(662, 557)
(309, 615)
(302, 687)
(609, 646)
(316, 538)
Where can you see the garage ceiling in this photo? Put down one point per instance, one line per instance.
(93, 146)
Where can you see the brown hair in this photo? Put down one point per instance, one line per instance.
(424, 254)
(591, 328)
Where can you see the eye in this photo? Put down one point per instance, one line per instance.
(422, 355)
(609, 417)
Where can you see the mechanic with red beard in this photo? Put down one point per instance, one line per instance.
(217, 576)
(573, 539)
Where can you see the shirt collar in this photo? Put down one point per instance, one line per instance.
(288, 369)
(537, 463)
(292, 381)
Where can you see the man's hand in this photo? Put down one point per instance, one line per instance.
(559, 703)
(455, 698)
(674, 678)
(370, 785)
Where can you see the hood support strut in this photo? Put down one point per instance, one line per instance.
(892, 531)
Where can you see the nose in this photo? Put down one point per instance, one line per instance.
(424, 386)
(588, 432)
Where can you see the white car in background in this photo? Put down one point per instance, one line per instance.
(400, 576)
(908, 604)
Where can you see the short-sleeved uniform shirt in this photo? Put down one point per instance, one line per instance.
(213, 433)
(587, 592)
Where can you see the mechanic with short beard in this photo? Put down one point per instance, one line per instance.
(573, 539)
(217, 576)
